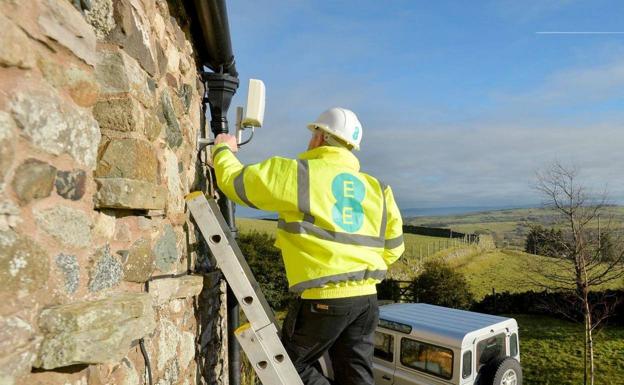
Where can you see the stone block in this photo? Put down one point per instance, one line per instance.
(104, 226)
(118, 74)
(173, 131)
(7, 145)
(165, 249)
(9, 215)
(158, 26)
(81, 85)
(33, 180)
(106, 272)
(124, 114)
(175, 203)
(18, 346)
(55, 125)
(186, 94)
(130, 159)
(93, 332)
(68, 266)
(15, 46)
(100, 16)
(23, 264)
(153, 127)
(139, 264)
(167, 289)
(187, 348)
(131, 32)
(70, 226)
(71, 184)
(168, 338)
(63, 23)
(173, 59)
(124, 193)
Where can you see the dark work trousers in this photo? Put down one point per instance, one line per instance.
(342, 326)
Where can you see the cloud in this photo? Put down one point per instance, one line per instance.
(434, 152)
(574, 86)
(491, 165)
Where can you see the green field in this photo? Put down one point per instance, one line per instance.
(551, 349)
(551, 352)
(502, 270)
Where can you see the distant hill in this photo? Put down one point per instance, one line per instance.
(508, 226)
(459, 210)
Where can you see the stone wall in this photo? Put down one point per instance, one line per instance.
(100, 109)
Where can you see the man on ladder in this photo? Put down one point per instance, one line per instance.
(339, 229)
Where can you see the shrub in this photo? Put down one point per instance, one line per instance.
(551, 303)
(265, 261)
(440, 284)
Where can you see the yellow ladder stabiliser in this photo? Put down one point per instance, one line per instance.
(259, 338)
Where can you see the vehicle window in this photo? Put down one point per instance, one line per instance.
(467, 364)
(513, 345)
(427, 358)
(491, 348)
(384, 346)
(396, 326)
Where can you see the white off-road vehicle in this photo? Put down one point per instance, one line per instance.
(421, 344)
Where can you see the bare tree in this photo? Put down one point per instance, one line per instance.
(581, 265)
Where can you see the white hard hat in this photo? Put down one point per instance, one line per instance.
(341, 123)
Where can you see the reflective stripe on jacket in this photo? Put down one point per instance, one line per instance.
(338, 229)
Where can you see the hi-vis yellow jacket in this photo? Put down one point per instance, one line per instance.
(338, 229)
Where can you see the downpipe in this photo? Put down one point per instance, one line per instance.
(221, 88)
(220, 79)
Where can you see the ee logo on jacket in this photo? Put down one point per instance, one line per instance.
(349, 192)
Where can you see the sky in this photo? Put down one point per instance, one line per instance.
(461, 102)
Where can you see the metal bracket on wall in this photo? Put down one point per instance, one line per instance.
(259, 338)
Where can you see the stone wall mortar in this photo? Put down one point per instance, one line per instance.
(99, 114)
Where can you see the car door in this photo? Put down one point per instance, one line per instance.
(383, 358)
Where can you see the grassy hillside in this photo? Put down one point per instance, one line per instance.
(485, 269)
(503, 270)
(509, 227)
(551, 349)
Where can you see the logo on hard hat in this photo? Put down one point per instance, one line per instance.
(356, 133)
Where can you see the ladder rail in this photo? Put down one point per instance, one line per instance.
(260, 338)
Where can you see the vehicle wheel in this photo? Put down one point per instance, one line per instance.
(501, 371)
(507, 371)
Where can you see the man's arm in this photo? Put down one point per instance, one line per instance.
(394, 245)
(269, 185)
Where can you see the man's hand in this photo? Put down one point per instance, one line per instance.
(229, 139)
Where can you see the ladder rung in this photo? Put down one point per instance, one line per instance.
(260, 337)
(267, 355)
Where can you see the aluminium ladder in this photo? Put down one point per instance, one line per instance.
(259, 338)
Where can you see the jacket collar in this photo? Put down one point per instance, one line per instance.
(332, 154)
